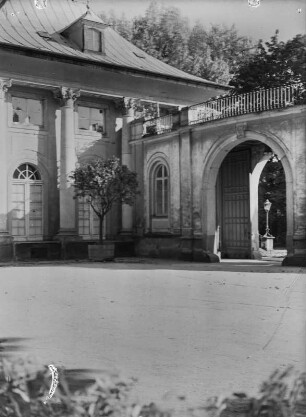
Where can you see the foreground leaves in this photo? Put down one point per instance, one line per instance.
(87, 393)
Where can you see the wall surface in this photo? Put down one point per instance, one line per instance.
(194, 155)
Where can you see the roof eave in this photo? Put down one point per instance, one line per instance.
(70, 59)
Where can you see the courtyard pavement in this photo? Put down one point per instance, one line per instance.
(180, 328)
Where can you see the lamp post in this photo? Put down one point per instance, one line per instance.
(267, 207)
(267, 238)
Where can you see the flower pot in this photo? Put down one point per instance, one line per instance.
(104, 252)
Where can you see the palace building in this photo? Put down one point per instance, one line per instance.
(70, 91)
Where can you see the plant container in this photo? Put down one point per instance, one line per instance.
(101, 252)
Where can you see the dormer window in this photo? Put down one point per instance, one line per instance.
(92, 39)
(87, 33)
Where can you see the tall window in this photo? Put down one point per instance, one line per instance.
(161, 191)
(88, 220)
(27, 203)
(91, 118)
(27, 111)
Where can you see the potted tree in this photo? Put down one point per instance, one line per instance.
(102, 183)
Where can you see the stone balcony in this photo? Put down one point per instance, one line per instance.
(220, 108)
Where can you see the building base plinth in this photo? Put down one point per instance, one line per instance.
(295, 260)
(67, 236)
(126, 234)
(200, 255)
(6, 247)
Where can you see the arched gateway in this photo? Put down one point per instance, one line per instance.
(215, 166)
(230, 193)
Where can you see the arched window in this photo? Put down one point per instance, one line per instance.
(26, 172)
(27, 203)
(161, 191)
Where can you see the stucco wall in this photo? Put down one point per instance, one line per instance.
(40, 146)
(283, 131)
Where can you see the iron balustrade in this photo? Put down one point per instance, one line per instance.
(236, 105)
(221, 108)
(158, 126)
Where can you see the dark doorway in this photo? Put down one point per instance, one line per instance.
(233, 208)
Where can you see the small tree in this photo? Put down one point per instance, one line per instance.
(102, 183)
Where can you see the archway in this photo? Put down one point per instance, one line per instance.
(264, 147)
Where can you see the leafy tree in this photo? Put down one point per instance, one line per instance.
(274, 64)
(121, 24)
(163, 33)
(216, 53)
(102, 183)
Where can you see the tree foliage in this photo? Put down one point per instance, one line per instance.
(217, 53)
(163, 32)
(103, 183)
(81, 393)
(274, 64)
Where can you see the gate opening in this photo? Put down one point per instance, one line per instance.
(248, 175)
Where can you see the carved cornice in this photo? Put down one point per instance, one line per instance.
(66, 96)
(5, 84)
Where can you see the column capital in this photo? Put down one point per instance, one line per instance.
(66, 96)
(126, 104)
(5, 84)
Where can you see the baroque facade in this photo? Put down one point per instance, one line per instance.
(69, 90)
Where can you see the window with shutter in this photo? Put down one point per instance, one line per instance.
(93, 40)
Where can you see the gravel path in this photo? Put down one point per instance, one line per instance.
(180, 328)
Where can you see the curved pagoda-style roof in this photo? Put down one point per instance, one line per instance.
(24, 26)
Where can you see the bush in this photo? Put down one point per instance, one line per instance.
(24, 387)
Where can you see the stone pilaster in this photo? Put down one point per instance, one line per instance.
(4, 86)
(128, 106)
(67, 98)
(186, 197)
(298, 256)
(186, 184)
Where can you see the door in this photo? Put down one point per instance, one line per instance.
(27, 204)
(235, 207)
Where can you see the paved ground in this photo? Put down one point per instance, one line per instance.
(181, 328)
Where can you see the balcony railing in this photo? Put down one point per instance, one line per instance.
(158, 126)
(221, 108)
(236, 105)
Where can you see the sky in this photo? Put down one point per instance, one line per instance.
(259, 23)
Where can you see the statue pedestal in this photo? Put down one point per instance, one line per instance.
(267, 242)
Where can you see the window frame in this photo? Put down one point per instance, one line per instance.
(91, 219)
(165, 201)
(87, 46)
(29, 125)
(26, 183)
(91, 106)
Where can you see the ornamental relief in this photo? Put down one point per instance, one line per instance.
(67, 95)
(5, 84)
